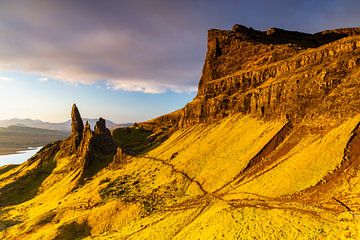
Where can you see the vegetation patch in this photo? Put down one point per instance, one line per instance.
(96, 166)
(132, 140)
(73, 230)
(151, 203)
(124, 187)
(7, 168)
(128, 190)
(45, 218)
(4, 224)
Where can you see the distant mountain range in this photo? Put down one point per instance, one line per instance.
(62, 126)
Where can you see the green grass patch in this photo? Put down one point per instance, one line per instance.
(73, 230)
(128, 189)
(132, 140)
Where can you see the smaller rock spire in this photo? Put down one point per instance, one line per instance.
(104, 141)
(86, 148)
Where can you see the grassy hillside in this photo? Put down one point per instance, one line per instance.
(201, 183)
(14, 138)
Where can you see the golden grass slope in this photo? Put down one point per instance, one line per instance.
(305, 165)
(172, 192)
(214, 154)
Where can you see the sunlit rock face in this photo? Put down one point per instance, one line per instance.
(275, 74)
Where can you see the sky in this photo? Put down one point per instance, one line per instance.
(128, 61)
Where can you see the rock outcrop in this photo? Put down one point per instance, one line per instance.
(275, 74)
(95, 143)
(86, 151)
(86, 144)
(119, 158)
(104, 142)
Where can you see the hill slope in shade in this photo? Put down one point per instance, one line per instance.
(269, 149)
(14, 138)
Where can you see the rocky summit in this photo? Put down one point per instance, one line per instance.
(268, 149)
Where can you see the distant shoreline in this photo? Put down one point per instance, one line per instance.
(7, 151)
(18, 157)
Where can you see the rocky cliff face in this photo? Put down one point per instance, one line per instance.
(276, 74)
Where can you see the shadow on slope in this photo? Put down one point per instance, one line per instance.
(4, 224)
(25, 187)
(7, 168)
(73, 230)
(96, 166)
(135, 141)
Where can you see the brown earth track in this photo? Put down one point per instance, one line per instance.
(264, 202)
(180, 172)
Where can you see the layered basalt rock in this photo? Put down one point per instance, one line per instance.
(275, 74)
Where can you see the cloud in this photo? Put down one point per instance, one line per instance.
(5, 79)
(43, 79)
(129, 49)
(149, 86)
(147, 46)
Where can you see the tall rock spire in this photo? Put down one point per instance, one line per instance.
(77, 125)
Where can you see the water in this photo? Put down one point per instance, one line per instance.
(18, 157)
